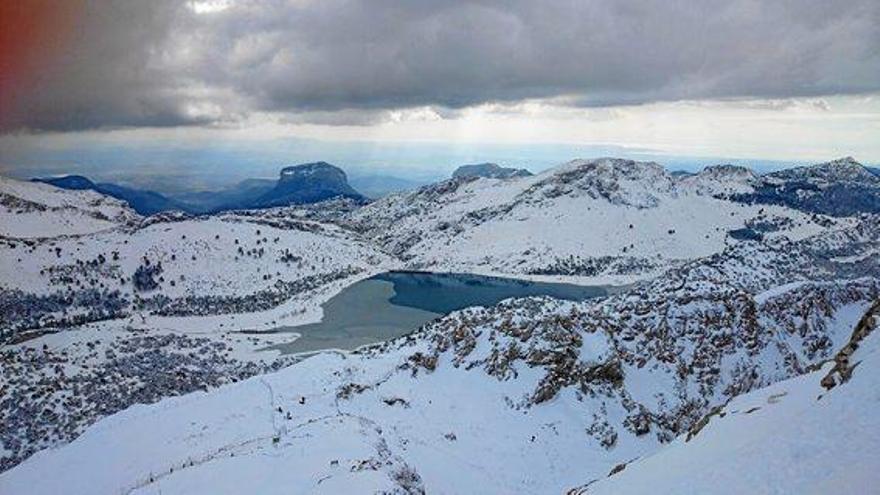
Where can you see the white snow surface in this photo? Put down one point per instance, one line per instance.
(790, 437)
(620, 212)
(31, 209)
(201, 257)
(362, 423)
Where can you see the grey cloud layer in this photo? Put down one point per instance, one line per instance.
(169, 66)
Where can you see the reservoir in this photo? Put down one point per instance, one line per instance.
(393, 304)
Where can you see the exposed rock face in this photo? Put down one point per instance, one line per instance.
(843, 368)
(308, 183)
(490, 170)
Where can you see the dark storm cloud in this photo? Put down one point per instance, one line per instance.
(97, 64)
(158, 63)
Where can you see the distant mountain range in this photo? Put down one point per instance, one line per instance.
(143, 202)
(315, 182)
(298, 184)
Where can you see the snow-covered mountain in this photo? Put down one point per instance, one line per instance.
(83, 262)
(32, 210)
(731, 292)
(840, 188)
(606, 220)
(529, 384)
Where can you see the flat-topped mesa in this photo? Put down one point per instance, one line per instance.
(490, 171)
(323, 169)
(309, 183)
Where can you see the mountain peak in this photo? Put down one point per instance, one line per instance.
(615, 167)
(845, 164)
(721, 179)
(845, 169)
(490, 170)
(308, 183)
(620, 181)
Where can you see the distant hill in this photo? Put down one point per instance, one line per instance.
(298, 184)
(141, 201)
(35, 210)
(238, 196)
(841, 187)
(490, 170)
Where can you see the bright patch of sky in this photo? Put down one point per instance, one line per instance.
(428, 143)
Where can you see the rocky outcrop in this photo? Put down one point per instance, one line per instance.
(843, 367)
(490, 171)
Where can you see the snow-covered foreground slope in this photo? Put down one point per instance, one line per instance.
(530, 396)
(606, 220)
(152, 309)
(791, 437)
(30, 209)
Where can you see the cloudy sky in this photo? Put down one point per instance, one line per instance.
(788, 80)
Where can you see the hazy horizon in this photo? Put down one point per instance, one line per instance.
(174, 169)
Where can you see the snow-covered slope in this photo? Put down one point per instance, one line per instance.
(791, 437)
(155, 310)
(606, 220)
(505, 397)
(30, 209)
(228, 265)
(734, 294)
(839, 188)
